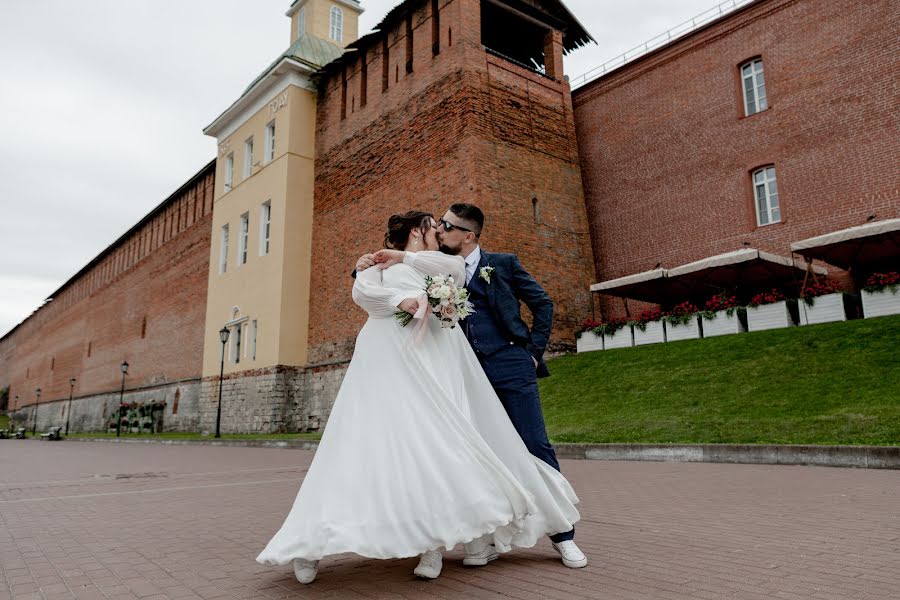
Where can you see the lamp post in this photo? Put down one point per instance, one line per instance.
(223, 336)
(37, 393)
(69, 409)
(124, 367)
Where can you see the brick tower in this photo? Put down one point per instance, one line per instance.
(449, 101)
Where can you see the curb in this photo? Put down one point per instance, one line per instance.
(864, 457)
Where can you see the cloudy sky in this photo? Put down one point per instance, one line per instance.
(102, 103)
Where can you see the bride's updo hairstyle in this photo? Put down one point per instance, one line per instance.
(400, 226)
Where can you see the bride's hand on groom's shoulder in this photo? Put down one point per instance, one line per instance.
(365, 261)
(388, 258)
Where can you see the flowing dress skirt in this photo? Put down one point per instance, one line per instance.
(419, 454)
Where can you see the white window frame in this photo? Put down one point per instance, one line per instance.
(243, 238)
(223, 249)
(253, 331)
(236, 346)
(269, 150)
(753, 87)
(336, 24)
(301, 22)
(265, 227)
(765, 196)
(229, 172)
(248, 157)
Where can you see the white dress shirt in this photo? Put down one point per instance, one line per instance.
(472, 261)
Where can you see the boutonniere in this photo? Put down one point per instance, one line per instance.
(485, 273)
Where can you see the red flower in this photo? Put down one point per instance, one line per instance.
(721, 302)
(647, 316)
(819, 289)
(589, 325)
(878, 281)
(767, 298)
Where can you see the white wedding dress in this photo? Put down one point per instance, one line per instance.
(418, 453)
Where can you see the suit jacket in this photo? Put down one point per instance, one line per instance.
(511, 283)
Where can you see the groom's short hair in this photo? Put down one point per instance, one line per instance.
(470, 213)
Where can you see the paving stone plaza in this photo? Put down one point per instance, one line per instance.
(123, 521)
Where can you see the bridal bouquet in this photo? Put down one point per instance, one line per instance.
(449, 302)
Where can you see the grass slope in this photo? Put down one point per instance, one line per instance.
(837, 383)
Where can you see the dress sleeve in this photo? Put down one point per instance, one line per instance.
(370, 294)
(430, 262)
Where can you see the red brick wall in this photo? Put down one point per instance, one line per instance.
(158, 272)
(667, 153)
(463, 126)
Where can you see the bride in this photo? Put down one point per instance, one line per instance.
(418, 453)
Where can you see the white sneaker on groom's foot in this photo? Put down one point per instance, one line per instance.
(478, 554)
(430, 565)
(572, 556)
(305, 570)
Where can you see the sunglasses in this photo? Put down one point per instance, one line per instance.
(448, 226)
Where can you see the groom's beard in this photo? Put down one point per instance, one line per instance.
(448, 250)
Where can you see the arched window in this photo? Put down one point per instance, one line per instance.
(765, 192)
(301, 22)
(337, 24)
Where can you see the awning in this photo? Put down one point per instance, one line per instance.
(747, 268)
(869, 244)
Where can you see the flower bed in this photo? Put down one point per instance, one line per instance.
(821, 303)
(649, 328)
(586, 339)
(616, 333)
(768, 311)
(682, 323)
(881, 295)
(722, 316)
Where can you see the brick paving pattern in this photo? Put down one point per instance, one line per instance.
(97, 521)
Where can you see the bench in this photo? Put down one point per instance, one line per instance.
(20, 433)
(53, 434)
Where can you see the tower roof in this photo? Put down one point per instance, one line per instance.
(310, 50)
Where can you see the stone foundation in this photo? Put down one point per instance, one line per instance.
(91, 413)
(273, 400)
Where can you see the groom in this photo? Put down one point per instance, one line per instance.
(510, 354)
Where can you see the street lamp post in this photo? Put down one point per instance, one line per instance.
(223, 336)
(69, 409)
(124, 367)
(37, 393)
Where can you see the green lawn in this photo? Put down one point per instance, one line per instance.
(837, 383)
(4, 421)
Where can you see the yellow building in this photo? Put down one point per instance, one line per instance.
(262, 212)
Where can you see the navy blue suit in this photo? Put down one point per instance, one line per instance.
(505, 347)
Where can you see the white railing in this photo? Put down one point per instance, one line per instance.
(661, 40)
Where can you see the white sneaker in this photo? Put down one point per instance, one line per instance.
(479, 558)
(430, 565)
(572, 557)
(305, 570)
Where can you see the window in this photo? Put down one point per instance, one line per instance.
(765, 191)
(229, 172)
(754, 86)
(270, 142)
(253, 339)
(265, 227)
(236, 347)
(223, 250)
(248, 157)
(409, 43)
(337, 24)
(301, 22)
(242, 240)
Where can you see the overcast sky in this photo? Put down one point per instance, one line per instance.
(103, 102)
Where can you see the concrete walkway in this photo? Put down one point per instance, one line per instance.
(158, 522)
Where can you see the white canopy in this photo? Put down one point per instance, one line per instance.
(871, 243)
(741, 256)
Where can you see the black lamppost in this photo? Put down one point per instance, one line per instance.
(223, 336)
(37, 393)
(69, 409)
(124, 367)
